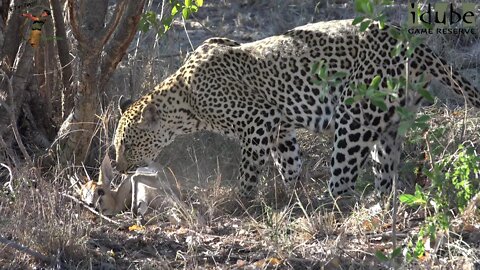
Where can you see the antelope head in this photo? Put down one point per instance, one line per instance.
(100, 195)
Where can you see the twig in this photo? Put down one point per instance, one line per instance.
(27, 250)
(91, 209)
(56, 70)
(213, 33)
(13, 121)
(9, 183)
(387, 235)
(8, 150)
(394, 213)
(186, 33)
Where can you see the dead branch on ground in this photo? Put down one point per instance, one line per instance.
(37, 255)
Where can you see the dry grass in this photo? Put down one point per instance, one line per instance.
(209, 229)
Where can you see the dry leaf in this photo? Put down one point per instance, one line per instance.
(367, 225)
(268, 262)
(182, 231)
(470, 228)
(136, 228)
(370, 225)
(241, 263)
(458, 113)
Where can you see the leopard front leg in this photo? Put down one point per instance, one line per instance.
(386, 157)
(286, 156)
(254, 155)
(350, 151)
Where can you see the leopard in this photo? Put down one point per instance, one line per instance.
(261, 92)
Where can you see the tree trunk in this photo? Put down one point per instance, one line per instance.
(15, 98)
(4, 10)
(101, 46)
(4, 4)
(64, 56)
(43, 101)
(13, 36)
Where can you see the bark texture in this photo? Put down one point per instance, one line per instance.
(64, 55)
(101, 45)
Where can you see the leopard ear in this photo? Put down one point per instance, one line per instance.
(149, 115)
(123, 104)
(106, 172)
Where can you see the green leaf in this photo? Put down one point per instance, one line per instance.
(185, 13)
(174, 10)
(148, 19)
(410, 51)
(397, 50)
(339, 75)
(349, 101)
(143, 26)
(412, 200)
(379, 102)
(406, 199)
(404, 127)
(322, 73)
(381, 23)
(380, 256)
(403, 112)
(426, 95)
(419, 248)
(394, 33)
(416, 41)
(188, 3)
(364, 25)
(368, 7)
(166, 23)
(381, 18)
(396, 252)
(315, 67)
(199, 3)
(375, 82)
(423, 119)
(359, 5)
(362, 88)
(358, 20)
(391, 84)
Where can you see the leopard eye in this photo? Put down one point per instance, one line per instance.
(101, 192)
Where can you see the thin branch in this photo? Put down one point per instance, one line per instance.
(12, 35)
(186, 33)
(90, 209)
(27, 250)
(213, 33)
(63, 50)
(55, 71)
(113, 23)
(72, 11)
(13, 121)
(117, 46)
(9, 183)
(8, 150)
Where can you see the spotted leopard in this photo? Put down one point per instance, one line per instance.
(260, 92)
